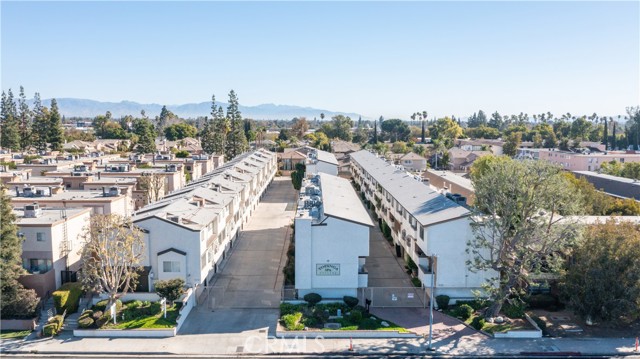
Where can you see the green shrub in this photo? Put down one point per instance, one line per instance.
(442, 301)
(85, 322)
(102, 305)
(292, 321)
(170, 289)
(86, 313)
(514, 310)
(355, 316)
(464, 311)
(416, 282)
(67, 297)
(542, 301)
(368, 323)
(288, 308)
(49, 330)
(312, 298)
(310, 322)
(133, 304)
(475, 304)
(478, 323)
(97, 314)
(351, 302)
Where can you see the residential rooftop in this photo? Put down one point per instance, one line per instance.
(419, 199)
(332, 196)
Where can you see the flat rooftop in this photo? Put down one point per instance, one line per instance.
(48, 215)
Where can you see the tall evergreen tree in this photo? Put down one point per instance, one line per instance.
(40, 129)
(24, 117)
(8, 120)
(606, 133)
(56, 133)
(236, 140)
(146, 135)
(15, 300)
(163, 119)
(375, 132)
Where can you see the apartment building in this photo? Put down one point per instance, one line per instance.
(319, 161)
(423, 222)
(332, 238)
(52, 239)
(612, 185)
(450, 183)
(190, 231)
(105, 201)
(584, 161)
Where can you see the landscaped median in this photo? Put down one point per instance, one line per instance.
(339, 319)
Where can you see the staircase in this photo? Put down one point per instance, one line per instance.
(48, 310)
(71, 321)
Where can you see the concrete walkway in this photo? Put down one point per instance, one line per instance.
(385, 269)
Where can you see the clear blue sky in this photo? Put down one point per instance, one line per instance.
(375, 58)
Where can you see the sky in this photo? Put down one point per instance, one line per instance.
(373, 58)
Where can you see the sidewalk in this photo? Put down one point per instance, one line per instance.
(254, 342)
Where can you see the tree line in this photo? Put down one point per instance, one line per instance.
(23, 127)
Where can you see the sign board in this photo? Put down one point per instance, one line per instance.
(410, 295)
(327, 269)
(394, 297)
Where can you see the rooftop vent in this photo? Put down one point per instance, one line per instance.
(175, 219)
(32, 211)
(171, 168)
(113, 192)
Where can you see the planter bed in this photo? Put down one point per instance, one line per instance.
(125, 333)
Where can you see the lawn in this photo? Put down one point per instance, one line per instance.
(299, 316)
(133, 321)
(14, 334)
(130, 315)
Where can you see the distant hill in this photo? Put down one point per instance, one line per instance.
(74, 107)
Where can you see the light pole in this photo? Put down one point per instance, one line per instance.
(431, 302)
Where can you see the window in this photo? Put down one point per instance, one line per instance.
(40, 237)
(38, 265)
(171, 266)
(421, 232)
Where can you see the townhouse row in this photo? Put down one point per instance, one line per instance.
(187, 233)
(427, 227)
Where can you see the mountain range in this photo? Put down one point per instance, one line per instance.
(75, 107)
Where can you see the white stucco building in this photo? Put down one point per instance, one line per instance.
(52, 241)
(190, 231)
(423, 223)
(331, 238)
(319, 161)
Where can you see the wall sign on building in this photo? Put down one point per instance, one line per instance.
(328, 269)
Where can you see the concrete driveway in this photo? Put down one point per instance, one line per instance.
(385, 269)
(245, 296)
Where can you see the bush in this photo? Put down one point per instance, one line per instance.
(464, 311)
(515, 310)
(475, 304)
(542, 301)
(355, 316)
(133, 304)
(351, 302)
(86, 313)
(478, 323)
(170, 289)
(85, 322)
(312, 298)
(442, 301)
(97, 314)
(368, 323)
(416, 282)
(288, 308)
(102, 305)
(49, 330)
(67, 297)
(311, 322)
(292, 321)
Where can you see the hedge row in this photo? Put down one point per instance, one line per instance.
(67, 297)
